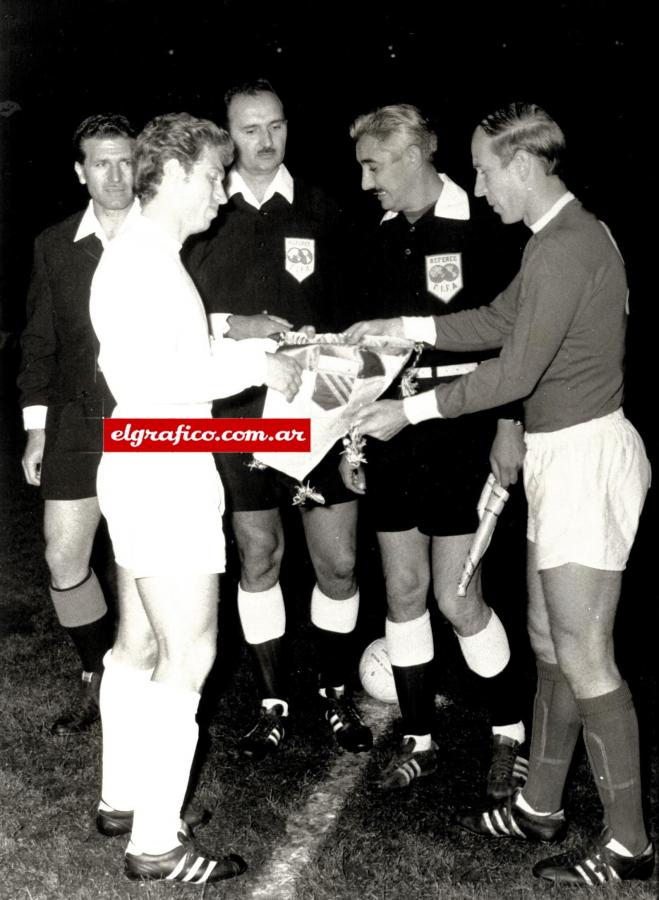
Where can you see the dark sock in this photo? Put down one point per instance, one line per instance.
(334, 651)
(269, 657)
(610, 730)
(503, 695)
(415, 686)
(93, 641)
(556, 729)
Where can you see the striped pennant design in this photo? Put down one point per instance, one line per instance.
(332, 389)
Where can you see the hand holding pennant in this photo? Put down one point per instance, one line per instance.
(492, 501)
(338, 378)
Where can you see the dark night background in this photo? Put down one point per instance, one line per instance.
(61, 61)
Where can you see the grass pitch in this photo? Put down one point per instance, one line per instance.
(372, 846)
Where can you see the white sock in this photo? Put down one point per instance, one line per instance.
(339, 690)
(618, 848)
(410, 643)
(168, 751)
(339, 616)
(421, 741)
(515, 732)
(269, 702)
(521, 803)
(122, 701)
(487, 652)
(262, 614)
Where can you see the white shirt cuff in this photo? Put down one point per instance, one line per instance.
(252, 356)
(34, 417)
(219, 324)
(420, 329)
(421, 407)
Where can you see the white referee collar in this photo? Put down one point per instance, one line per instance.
(89, 223)
(452, 203)
(282, 184)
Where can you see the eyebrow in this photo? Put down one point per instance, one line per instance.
(269, 122)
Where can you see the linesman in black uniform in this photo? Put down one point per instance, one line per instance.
(64, 396)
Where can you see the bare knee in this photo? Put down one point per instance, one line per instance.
(67, 563)
(138, 651)
(335, 572)
(260, 559)
(407, 593)
(186, 664)
(586, 661)
(466, 619)
(469, 614)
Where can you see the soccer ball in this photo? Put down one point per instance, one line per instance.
(375, 672)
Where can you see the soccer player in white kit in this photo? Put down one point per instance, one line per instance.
(164, 510)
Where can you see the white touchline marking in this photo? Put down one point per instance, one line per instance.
(307, 828)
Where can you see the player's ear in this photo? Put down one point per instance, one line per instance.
(173, 169)
(413, 155)
(523, 164)
(80, 172)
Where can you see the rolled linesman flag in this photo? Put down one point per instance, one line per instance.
(492, 501)
(337, 380)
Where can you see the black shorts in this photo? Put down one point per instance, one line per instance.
(250, 489)
(72, 452)
(430, 476)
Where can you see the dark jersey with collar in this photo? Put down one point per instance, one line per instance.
(284, 258)
(59, 347)
(429, 476)
(59, 360)
(436, 266)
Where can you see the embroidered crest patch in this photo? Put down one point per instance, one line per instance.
(444, 275)
(300, 257)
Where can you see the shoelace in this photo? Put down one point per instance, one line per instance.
(403, 757)
(345, 710)
(591, 865)
(502, 764)
(266, 724)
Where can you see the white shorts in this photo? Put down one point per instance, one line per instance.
(585, 487)
(164, 512)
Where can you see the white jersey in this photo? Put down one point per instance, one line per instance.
(164, 510)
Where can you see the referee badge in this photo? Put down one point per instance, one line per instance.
(444, 275)
(300, 257)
